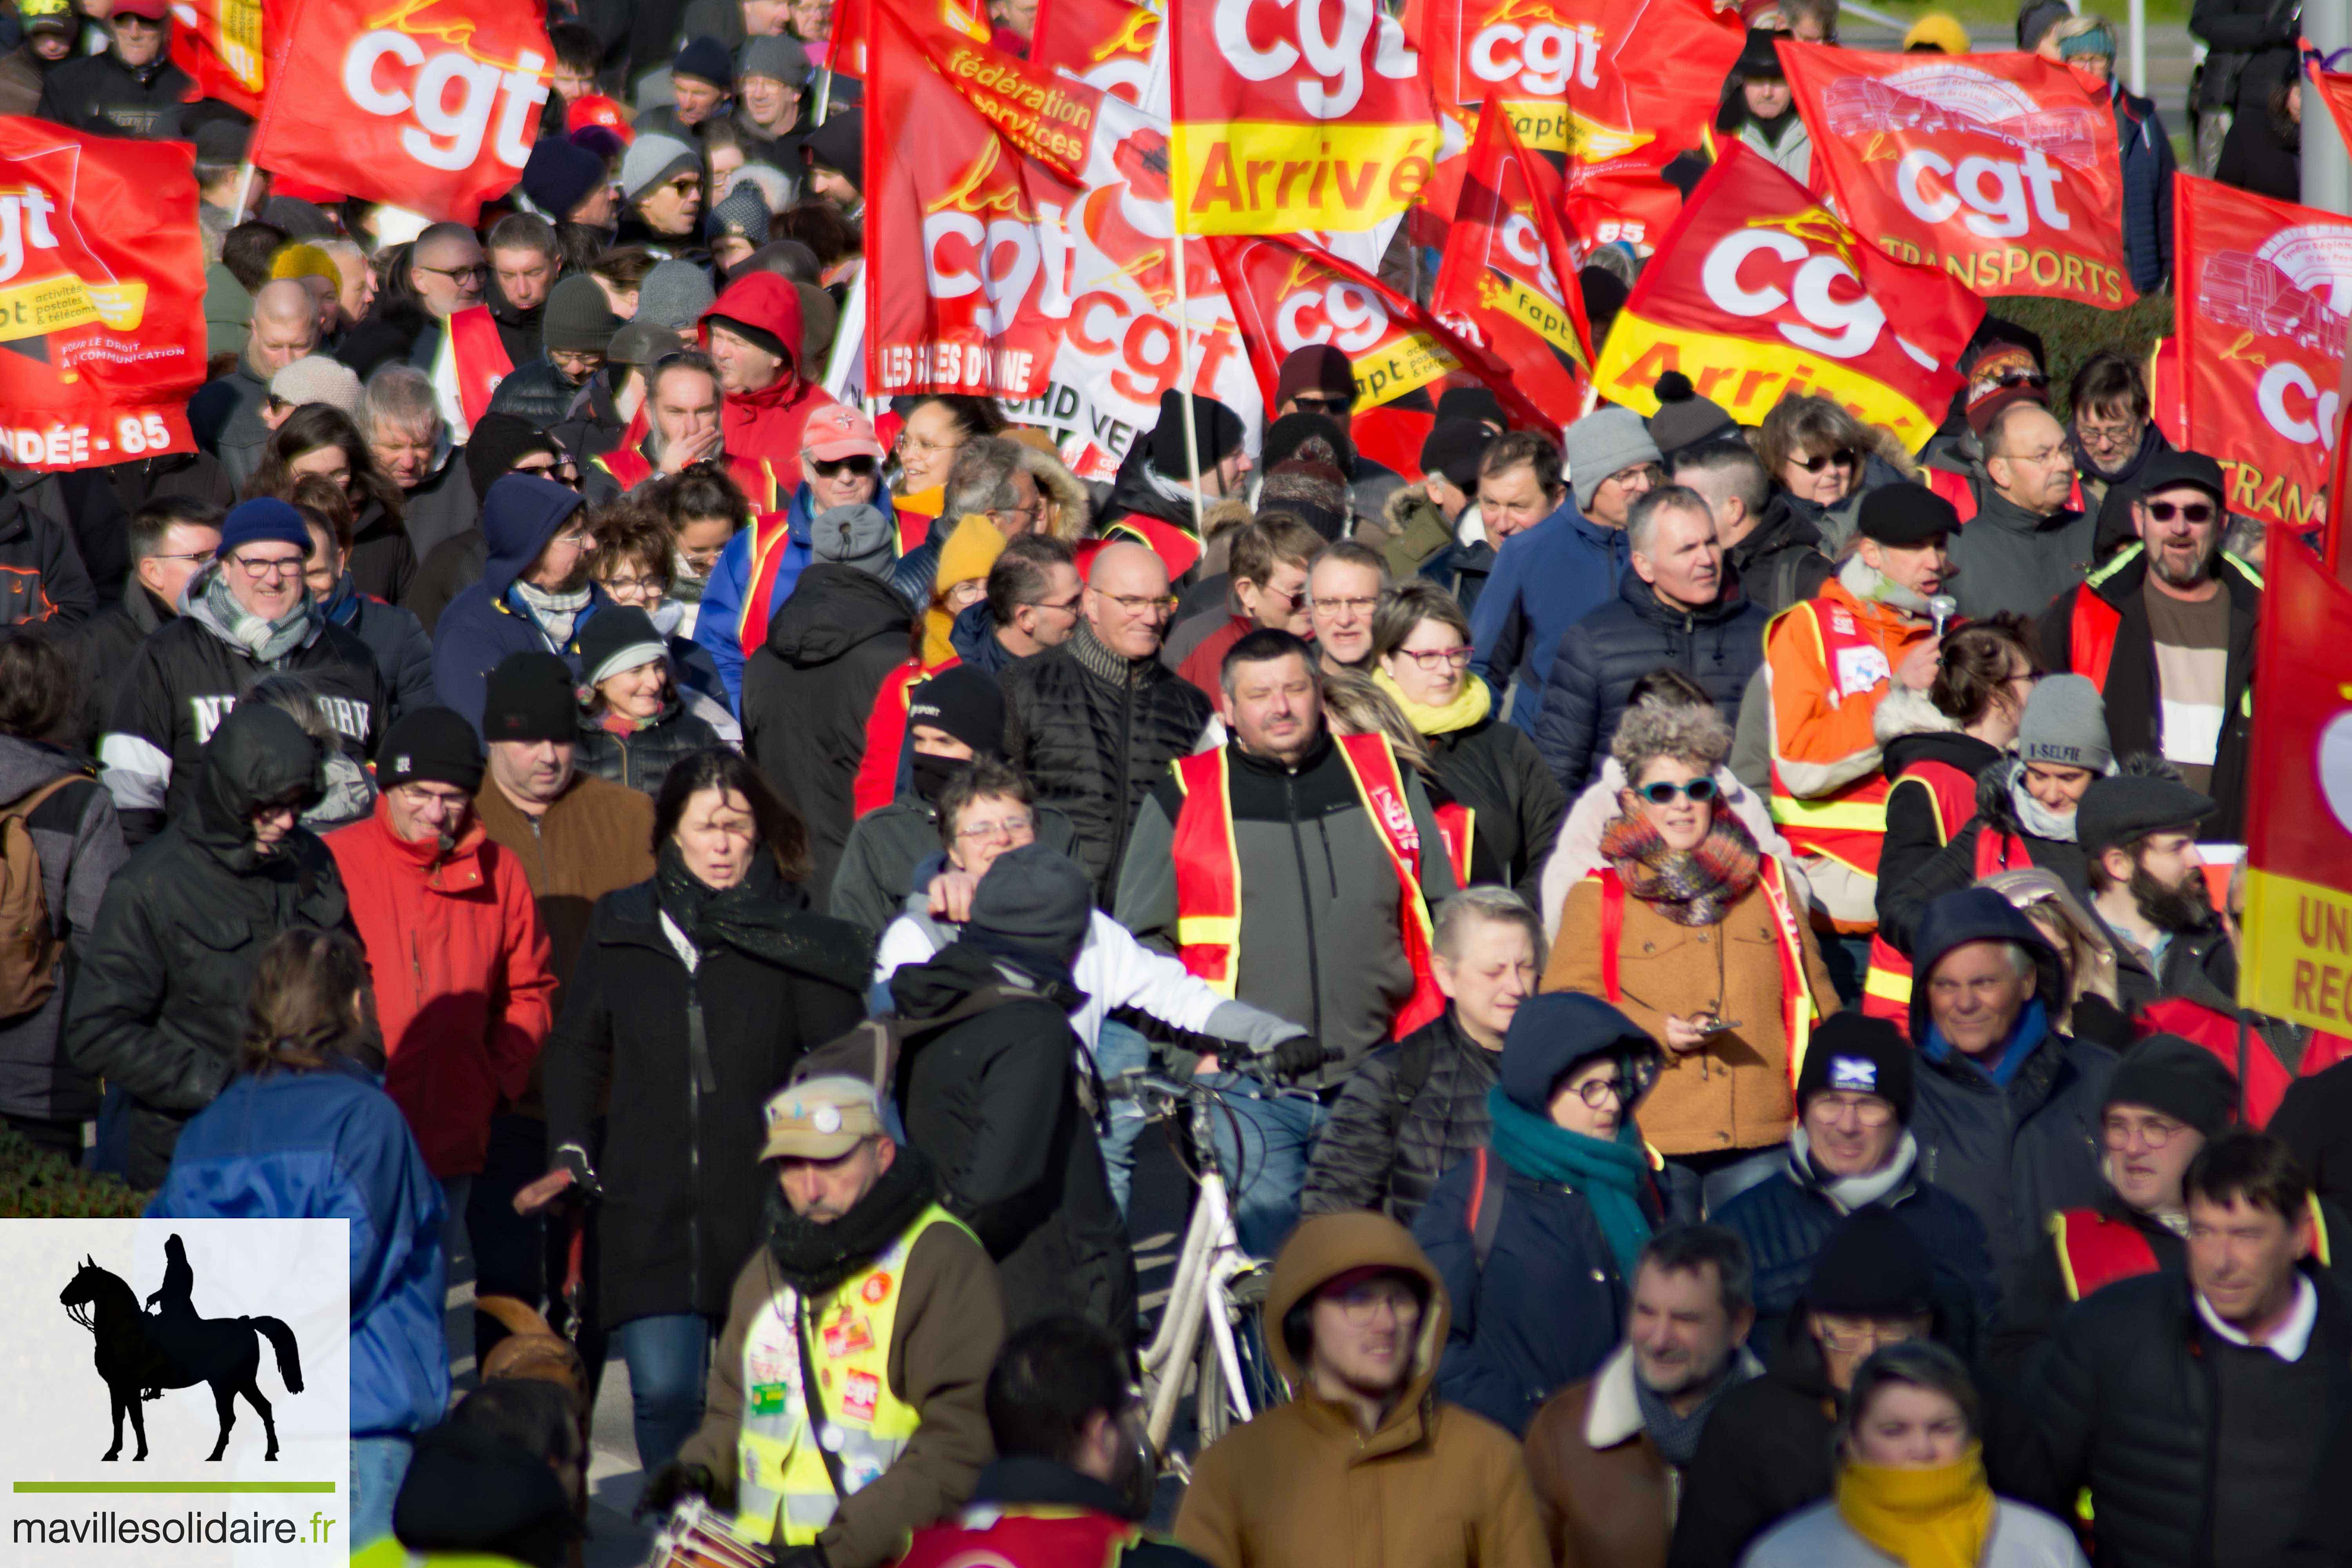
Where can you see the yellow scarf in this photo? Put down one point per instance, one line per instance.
(1935, 1517)
(1470, 704)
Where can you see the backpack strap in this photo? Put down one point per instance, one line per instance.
(31, 800)
(1485, 1216)
(1613, 931)
(1416, 1054)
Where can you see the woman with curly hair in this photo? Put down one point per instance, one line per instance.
(318, 438)
(1691, 930)
(1822, 461)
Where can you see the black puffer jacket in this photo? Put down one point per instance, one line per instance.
(105, 646)
(642, 760)
(808, 693)
(1492, 768)
(589, 426)
(1902, 906)
(1388, 1142)
(1601, 657)
(158, 1004)
(991, 1100)
(538, 391)
(102, 96)
(1911, 731)
(1764, 1454)
(41, 574)
(1784, 559)
(1094, 733)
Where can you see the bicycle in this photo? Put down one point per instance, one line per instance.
(1208, 1332)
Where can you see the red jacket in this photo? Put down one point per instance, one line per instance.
(465, 990)
(768, 422)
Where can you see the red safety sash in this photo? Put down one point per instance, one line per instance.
(481, 359)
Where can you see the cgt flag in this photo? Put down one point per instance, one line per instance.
(1759, 293)
(2297, 962)
(1295, 115)
(220, 44)
(101, 297)
(1997, 168)
(2261, 302)
(1506, 265)
(1110, 45)
(431, 105)
(2335, 90)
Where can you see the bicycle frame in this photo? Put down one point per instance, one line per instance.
(1211, 1260)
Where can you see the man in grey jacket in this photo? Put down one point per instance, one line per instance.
(2026, 545)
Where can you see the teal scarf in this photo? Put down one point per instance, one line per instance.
(1606, 1175)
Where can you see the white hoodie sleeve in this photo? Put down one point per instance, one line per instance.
(1116, 970)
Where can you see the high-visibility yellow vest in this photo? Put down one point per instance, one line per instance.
(783, 1489)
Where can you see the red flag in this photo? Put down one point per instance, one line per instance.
(1288, 295)
(1107, 44)
(2261, 295)
(221, 44)
(427, 104)
(101, 296)
(2334, 88)
(1757, 293)
(1292, 117)
(1507, 274)
(1998, 168)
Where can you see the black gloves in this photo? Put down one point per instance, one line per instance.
(1299, 1056)
(671, 1485)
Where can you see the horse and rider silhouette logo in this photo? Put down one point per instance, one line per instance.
(141, 1353)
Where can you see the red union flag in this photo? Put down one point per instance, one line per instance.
(427, 104)
(2261, 291)
(1507, 274)
(101, 297)
(1998, 168)
(1295, 115)
(1757, 293)
(1107, 44)
(219, 43)
(2335, 90)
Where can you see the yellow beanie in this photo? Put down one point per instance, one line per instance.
(299, 260)
(969, 553)
(1937, 31)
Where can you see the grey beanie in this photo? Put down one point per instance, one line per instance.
(1033, 900)
(674, 295)
(856, 536)
(653, 158)
(641, 342)
(2065, 725)
(774, 56)
(578, 319)
(317, 378)
(1603, 444)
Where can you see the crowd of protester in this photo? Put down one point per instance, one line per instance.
(547, 781)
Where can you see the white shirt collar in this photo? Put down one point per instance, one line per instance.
(2289, 1340)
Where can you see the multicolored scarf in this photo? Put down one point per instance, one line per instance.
(1689, 887)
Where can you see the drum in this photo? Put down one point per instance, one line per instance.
(698, 1536)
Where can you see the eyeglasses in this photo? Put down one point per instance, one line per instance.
(1867, 1339)
(618, 585)
(561, 473)
(1843, 457)
(701, 559)
(190, 555)
(685, 185)
(1868, 1108)
(276, 566)
(2188, 511)
(1650, 475)
(1700, 790)
(576, 538)
(908, 443)
(2155, 1133)
(861, 467)
(1141, 603)
(1009, 828)
(1066, 607)
(1596, 1092)
(1431, 660)
(2093, 433)
(477, 272)
(1353, 606)
(1361, 1305)
(1027, 514)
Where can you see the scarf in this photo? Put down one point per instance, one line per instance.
(1608, 1176)
(1935, 1517)
(1470, 705)
(815, 1258)
(1175, 493)
(1847, 1194)
(1677, 1436)
(1866, 583)
(759, 917)
(1689, 887)
(557, 614)
(2032, 1023)
(266, 641)
(2032, 816)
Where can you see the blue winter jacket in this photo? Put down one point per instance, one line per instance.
(488, 621)
(2147, 165)
(718, 624)
(1544, 582)
(332, 1146)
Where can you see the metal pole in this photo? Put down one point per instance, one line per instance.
(2326, 172)
(2140, 46)
(1184, 385)
(244, 191)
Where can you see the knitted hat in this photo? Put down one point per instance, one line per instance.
(578, 318)
(1218, 431)
(1452, 448)
(264, 517)
(839, 144)
(1035, 900)
(315, 378)
(1316, 490)
(964, 702)
(1604, 294)
(1685, 419)
(1603, 444)
(433, 745)
(1906, 516)
(859, 536)
(2116, 810)
(1319, 368)
(1937, 32)
(744, 213)
(1873, 1265)
(1856, 1053)
(295, 260)
(560, 174)
(617, 638)
(640, 342)
(654, 158)
(2065, 725)
(706, 59)
(2179, 1078)
(528, 697)
(775, 57)
(500, 441)
(970, 550)
(2001, 372)
(674, 295)
(1474, 403)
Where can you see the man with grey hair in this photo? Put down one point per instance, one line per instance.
(226, 412)
(488, 340)
(988, 476)
(1676, 607)
(1776, 555)
(400, 419)
(2009, 1111)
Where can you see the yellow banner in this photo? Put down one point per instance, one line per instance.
(1549, 125)
(1411, 360)
(53, 304)
(1746, 376)
(1280, 177)
(1532, 310)
(2297, 962)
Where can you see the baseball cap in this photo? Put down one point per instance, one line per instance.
(839, 432)
(152, 10)
(46, 15)
(595, 109)
(821, 1118)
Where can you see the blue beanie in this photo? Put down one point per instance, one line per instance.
(264, 517)
(560, 174)
(706, 59)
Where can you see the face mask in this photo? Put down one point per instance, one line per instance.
(931, 774)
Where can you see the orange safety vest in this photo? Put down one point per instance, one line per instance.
(771, 533)
(1178, 548)
(481, 359)
(1952, 794)
(1956, 489)
(1848, 825)
(1209, 871)
(1796, 1010)
(2096, 1249)
(877, 783)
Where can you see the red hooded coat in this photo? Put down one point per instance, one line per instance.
(768, 422)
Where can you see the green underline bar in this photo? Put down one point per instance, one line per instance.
(161, 1486)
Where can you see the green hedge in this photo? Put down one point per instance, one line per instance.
(37, 1184)
(2072, 333)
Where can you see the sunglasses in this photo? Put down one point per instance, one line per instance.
(1308, 403)
(2188, 511)
(1700, 791)
(1843, 458)
(861, 467)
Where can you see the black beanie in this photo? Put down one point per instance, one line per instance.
(469, 1489)
(1859, 1054)
(839, 144)
(431, 745)
(1286, 435)
(1452, 448)
(1217, 428)
(1034, 900)
(500, 441)
(1604, 294)
(1873, 1265)
(530, 697)
(965, 702)
(1478, 404)
(756, 336)
(2179, 1078)
(706, 59)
